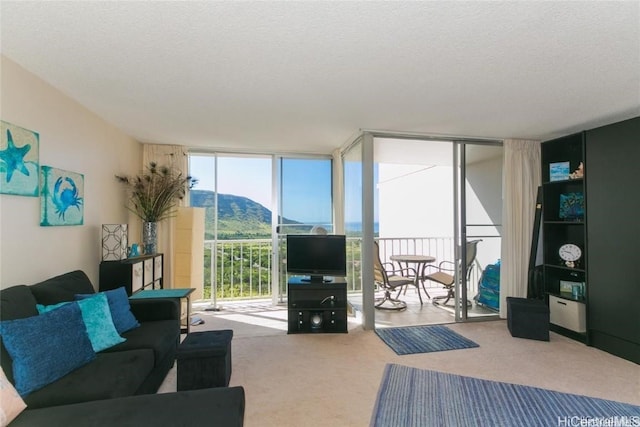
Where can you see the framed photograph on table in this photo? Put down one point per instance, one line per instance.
(559, 171)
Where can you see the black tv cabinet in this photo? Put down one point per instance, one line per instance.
(315, 307)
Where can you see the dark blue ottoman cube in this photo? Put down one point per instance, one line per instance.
(528, 318)
(204, 360)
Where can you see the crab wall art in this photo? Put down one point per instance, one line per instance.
(61, 197)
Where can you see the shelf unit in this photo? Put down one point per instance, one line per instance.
(564, 222)
(135, 274)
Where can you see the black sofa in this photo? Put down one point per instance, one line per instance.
(115, 388)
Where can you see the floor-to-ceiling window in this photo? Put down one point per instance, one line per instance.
(240, 194)
(305, 200)
(236, 193)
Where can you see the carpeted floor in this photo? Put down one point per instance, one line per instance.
(423, 339)
(332, 380)
(412, 397)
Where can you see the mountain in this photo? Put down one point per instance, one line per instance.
(238, 217)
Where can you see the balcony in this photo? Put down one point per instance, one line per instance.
(244, 267)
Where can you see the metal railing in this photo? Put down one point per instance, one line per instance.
(243, 267)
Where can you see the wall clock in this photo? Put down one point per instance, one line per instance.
(570, 254)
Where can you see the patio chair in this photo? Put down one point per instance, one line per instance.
(444, 274)
(390, 280)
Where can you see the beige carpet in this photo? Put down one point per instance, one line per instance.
(332, 379)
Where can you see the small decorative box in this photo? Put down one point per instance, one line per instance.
(114, 242)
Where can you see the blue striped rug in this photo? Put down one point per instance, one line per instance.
(423, 339)
(416, 397)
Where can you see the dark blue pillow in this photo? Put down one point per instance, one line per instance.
(45, 348)
(123, 318)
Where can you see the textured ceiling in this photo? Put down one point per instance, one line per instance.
(306, 76)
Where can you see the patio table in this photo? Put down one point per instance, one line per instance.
(419, 261)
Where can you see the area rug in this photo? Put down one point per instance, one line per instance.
(423, 339)
(417, 397)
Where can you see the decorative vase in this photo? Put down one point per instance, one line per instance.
(150, 237)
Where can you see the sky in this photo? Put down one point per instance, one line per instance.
(306, 183)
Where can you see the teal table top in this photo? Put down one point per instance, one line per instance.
(162, 293)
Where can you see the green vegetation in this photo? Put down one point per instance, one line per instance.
(244, 267)
(243, 270)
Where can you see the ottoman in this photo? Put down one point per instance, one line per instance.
(528, 318)
(204, 360)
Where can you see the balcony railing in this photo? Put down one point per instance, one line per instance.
(243, 267)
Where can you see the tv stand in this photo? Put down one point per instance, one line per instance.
(316, 307)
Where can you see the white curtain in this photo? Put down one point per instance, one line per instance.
(175, 156)
(520, 186)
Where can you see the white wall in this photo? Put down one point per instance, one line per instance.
(415, 201)
(71, 138)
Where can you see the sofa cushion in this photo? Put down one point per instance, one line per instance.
(123, 318)
(109, 375)
(213, 406)
(161, 336)
(97, 319)
(16, 302)
(46, 347)
(62, 288)
(11, 404)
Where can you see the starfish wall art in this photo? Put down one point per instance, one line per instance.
(19, 162)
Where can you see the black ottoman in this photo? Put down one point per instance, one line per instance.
(528, 318)
(204, 360)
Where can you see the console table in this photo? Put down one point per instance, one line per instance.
(169, 293)
(316, 307)
(135, 274)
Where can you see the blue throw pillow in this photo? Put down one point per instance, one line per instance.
(97, 320)
(123, 318)
(45, 348)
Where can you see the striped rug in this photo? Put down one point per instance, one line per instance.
(416, 397)
(423, 339)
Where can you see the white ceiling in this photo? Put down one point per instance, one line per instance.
(306, 76)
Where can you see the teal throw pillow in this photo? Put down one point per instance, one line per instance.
(47, 347)
(123, 318)
(97, 319)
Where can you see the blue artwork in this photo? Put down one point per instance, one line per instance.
(558, 171)
(61, 197)
(18, 160)
(571, 206)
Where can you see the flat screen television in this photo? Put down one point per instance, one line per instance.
(316, 256)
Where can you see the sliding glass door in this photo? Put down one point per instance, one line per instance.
(427, 198)
(251, 202)
(478, 218)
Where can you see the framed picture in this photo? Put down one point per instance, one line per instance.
(61, 197)
(559, 171)
(19, 160)
(571, 206)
